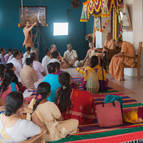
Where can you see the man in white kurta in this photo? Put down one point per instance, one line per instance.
(70, 57)
(16, 63)
(45, 60)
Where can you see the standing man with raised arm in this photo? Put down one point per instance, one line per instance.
(27, 30)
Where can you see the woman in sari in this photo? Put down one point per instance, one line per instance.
(12, 128)
(9, 84)
(74, 103)
(126, 57)
(47, 115)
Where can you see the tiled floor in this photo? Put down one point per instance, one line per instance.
(131, 86)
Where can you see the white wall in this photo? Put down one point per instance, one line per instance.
(99, 39)
(128, 35)
(101, 36)
(138, 26)
(136, 35)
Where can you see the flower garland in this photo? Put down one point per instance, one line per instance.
(100, 8)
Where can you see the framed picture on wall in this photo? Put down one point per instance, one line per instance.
(33, 14)
(125, 18)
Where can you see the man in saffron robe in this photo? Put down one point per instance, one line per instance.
(126, 57)
(109, 48)
(109, 43)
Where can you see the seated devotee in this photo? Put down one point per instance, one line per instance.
(37, 66)
(2, 71)
(10, 67)
(58, 68)
(11, 56)
(2, 53)
(16, 62)
(46, 60)
(52, 79)
(90, 72)
(9, 84)
(21, 57)
(12, 128)
(126, 57)
(109, 43)
(28, 75)
(47, 115)
(54, 57)
(109, 48)
(6, 57)
(90, 53)
(26, 55)
(70, 57)
(74, 103)
(53, 48)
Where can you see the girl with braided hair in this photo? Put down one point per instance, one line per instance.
(47, 115)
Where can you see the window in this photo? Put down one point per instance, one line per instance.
(60, 29)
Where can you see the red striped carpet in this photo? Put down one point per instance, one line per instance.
(91, 133)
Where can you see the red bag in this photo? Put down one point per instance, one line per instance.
(109, 114)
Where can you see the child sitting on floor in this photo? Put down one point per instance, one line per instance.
(94, 75)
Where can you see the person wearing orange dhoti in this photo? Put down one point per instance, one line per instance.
(27, 30)
(126, 57)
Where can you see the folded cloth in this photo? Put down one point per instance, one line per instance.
(113, 98)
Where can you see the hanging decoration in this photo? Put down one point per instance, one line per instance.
(103, 9)
(84, 15)
(99, 8)
(97, 22)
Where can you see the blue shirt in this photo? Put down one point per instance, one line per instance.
(52, 79)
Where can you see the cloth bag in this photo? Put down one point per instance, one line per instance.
(113, 98)
(109, 114)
